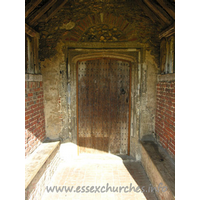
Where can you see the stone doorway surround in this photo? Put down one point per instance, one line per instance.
(135, 56)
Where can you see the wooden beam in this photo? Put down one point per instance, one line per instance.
(149, 13)
(159, 11)
(31, 32)
(168, 7)
(32, 20)
(31, 6)
(35, 54)
(30, 59)
(168, 32)
(55, 8)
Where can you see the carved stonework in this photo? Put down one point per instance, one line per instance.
(75, 22)
(102, 33)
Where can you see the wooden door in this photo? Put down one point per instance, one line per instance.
(103, 106)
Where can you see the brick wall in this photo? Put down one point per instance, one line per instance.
(165, 116)
(34, 116)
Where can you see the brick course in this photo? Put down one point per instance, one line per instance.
(165, 116)
(34, 116)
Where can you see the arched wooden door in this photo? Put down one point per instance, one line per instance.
(103, 105)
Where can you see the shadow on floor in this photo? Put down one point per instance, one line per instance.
(138, 173)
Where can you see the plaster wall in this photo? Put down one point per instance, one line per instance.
(59, 81)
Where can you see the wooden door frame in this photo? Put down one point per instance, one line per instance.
(130, 79)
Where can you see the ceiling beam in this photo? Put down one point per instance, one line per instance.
(31, 32)
(31, 6)
(149, 13)
(32, 20)
(159, 11)
(168, 7)
(168, 31)
(55, 8)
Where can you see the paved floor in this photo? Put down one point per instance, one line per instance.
(96, 176)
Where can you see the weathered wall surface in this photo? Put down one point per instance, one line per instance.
(144, 105)
(95, 22)
(165, 113)
(34, 113)
(59, 79)
(102, 30)
(148, 95)
(55, 84)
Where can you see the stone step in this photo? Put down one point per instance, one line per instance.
(126, 158)
(160, 169)
(39, 168)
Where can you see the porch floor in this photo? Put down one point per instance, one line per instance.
(101, 171)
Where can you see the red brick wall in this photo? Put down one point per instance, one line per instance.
(34, 116)
(165, 116)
